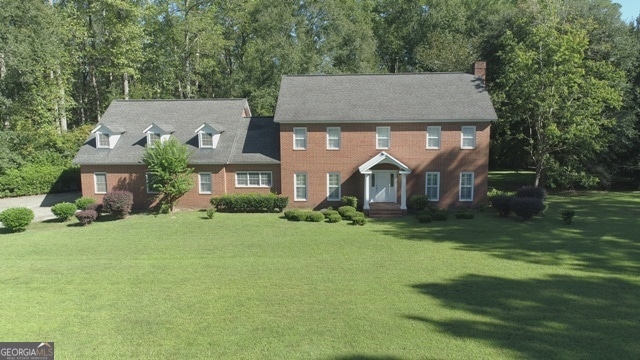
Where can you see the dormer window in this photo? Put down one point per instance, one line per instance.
(152, 138)
(107, 136)
(208, 136)
(155, 132)
(102, 140)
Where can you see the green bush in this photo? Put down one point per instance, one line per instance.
(211, 212)
(419, 202)
(424, 217)
(328, 213)
(527, 207)
(440, 215)
(502, 203)
(30, 179)
(315, 216)
(64, 210)
(17, 218)
(531, 192)
(347, 211)
(350, 201)
(250, 203)
(567, 216)
(334, 218)
(291, 214)
(86, 217)
(464, 214)
(358, 219)
(118, 203)
(83, 202)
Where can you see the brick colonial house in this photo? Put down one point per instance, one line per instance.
(382, 138)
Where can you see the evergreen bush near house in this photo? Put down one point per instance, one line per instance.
(334, 218)
(16, 219)
(527, 207)
(118, 203)
(97, 207)
(502, 203)
(347, 211)
(424, 216)
(419, 202)
(567, 216)
(350, 201)
(86, 217)
(464, 214)
(531, 192)
(315, 216)
(358, 219)
(64, 210)
(30, 179)
(328, 213)
(290, 214)
(440, 215)
(83, 202)
(250, 203)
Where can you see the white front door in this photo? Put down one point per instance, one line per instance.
(383, 186)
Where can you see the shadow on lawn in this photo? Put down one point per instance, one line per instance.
(558, 317)
(603, 238)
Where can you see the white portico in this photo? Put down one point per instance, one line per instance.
(382, 174)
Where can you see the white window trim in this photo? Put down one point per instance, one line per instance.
(95, 183)
(472, 186)
(306, 138)
(260, 173)
(438, 130)
(146, 184)
(378, 128)
(426, 184)
(295, 186)
(202, 146)
(462, 137)
(329, 147)
(339, 186)
(200, 183)
(98, 135)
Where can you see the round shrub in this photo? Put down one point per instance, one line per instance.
(211, 212)
(424, 217)
(347, 211)
(531, 192)
(97, 207)
(83, 202)
(358, 219)
(502, 203)
(315, 216)
(419, 202)
(440, 215)
(118, 203)
(86, 217)
(567, 216)
(17, 218)
(64, 210)
(330, 212)
(464, 214)
(334, 218)
(527, 207)
(350, 201)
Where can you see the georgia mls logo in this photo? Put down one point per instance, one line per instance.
(26, 351)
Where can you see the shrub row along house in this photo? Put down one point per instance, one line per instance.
(381, 138)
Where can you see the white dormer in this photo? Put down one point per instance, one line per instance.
(208, 135)
(107, 136)
(156, 132)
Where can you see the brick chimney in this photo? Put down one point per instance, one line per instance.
(480, 70)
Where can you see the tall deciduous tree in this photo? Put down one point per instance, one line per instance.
(556, 100)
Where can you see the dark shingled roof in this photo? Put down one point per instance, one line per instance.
(236, 145)
(418, 97)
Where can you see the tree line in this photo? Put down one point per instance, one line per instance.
(563, 74)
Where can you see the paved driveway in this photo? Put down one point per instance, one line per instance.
(40, 204)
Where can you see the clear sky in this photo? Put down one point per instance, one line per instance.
(630, 9)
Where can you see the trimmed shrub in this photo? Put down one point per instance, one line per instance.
(424, 217)
(347, 211)
(527, 207)
(328, 213)
(86, 217)
(358, 218)
(350, 201)
(17, 218)
(531, 192)
(567, 216)
(440, 215)
(250, 203)
(334, 218)
(118, 203)
(464, 214)
(97, 207)
(315, 216)
(502, 203)
(211, 212)
(290, 214)
(301, 215)
(83, 202)
(64, 210)
(31, 179)
(419, 202)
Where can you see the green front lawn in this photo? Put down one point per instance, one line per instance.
(259, 287)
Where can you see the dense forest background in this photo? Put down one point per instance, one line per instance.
(563, 74)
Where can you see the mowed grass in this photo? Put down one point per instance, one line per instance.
(255, 286)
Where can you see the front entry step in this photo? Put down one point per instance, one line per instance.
(385, 210)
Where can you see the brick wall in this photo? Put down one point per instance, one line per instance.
(408, 145)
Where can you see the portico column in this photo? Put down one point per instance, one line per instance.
(367, 185)
(403, 192)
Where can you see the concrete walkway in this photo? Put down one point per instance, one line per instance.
(40, 204)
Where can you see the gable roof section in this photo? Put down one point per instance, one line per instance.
(416, 97)
(182, 117)
(383, 158)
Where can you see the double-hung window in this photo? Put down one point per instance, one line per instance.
(333, 138)
(333, 186)
(299, 138)
(253, 179)
(102, 140)
(206, 140)
(432, 189)
(468, 137)
(300, 180)
(100, 183)
(466, 186)
(204, 183)
(433, 137)
(383, 137)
